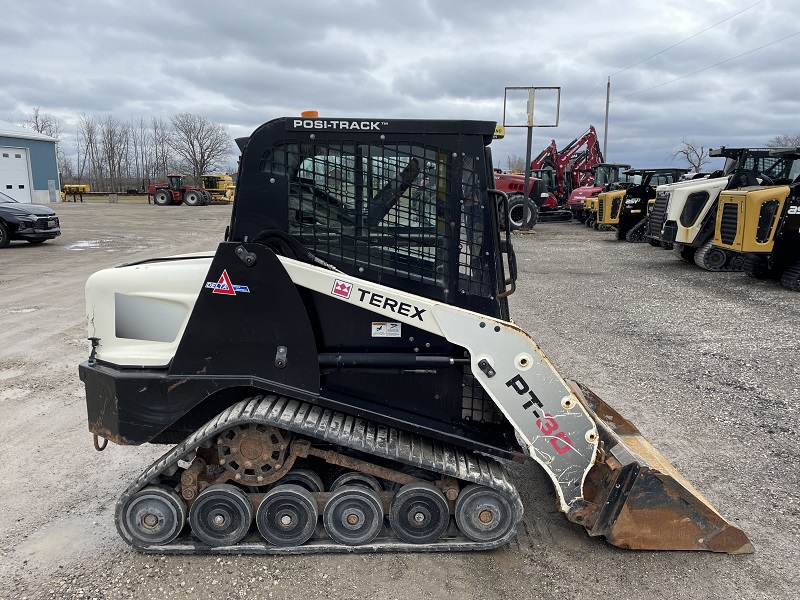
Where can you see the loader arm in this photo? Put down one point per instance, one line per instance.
(551, 424)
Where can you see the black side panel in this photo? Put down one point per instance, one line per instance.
(239, 331)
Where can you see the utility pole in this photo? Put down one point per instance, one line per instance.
(605, 129)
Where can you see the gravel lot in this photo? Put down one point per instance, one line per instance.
(706, 364)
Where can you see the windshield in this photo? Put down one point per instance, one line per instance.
(781, 168)
(608, 174)
(5, 199)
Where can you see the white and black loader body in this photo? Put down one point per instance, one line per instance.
(342, 373)
(684, 214)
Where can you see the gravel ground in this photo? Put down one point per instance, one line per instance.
(704, 363)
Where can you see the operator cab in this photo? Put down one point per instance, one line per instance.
(176, 182)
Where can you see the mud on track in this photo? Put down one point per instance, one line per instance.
(705, 364)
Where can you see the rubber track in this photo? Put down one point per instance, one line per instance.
(700, 255)
(791, 277)
(337, 428)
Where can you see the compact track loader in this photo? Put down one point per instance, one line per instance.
(684, 213)
(626, 208)
(763, 223)
(342, 374)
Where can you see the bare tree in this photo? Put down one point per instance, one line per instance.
(784, 141)
(160, 148)
(201, 144)
(515, 163)
(50, 125)
(90, 164)
(695, 156)
(43, 123)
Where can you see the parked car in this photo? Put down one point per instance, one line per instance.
(32, 222)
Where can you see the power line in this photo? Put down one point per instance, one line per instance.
(661, 52)
(687, 39)
(706, 68)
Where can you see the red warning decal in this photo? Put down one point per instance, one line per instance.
(224, 285)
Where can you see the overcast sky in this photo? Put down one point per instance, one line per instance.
(242, 63)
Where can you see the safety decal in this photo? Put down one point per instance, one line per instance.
(224, 285)
(342, 288)
(384, 329)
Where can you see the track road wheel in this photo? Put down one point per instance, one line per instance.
(305, 478)
(287, 516)
(221, 515)
(193, 198)
(710, 258)
(154, 515)
(162, 198)
(419, 513)
(635, 234)
(791, 277)
(483, 514)
(355, 478)
(353, 516)
(516, 212)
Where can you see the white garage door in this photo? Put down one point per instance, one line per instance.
(15, 177)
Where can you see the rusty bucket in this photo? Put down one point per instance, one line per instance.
(637, 500)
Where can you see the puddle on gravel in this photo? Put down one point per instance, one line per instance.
(84, 244)
(65, 538)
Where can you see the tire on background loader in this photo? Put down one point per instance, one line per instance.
(516, 212)
(163, 197)
(193, 198)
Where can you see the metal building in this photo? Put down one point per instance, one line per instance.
(28, 165)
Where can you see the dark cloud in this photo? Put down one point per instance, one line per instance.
(241, 63)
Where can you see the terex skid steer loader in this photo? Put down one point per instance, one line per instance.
(684, 214)
(763, 223)
(342, 374)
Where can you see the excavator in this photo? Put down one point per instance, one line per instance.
(569, 168)
(763, 223)
(342, 374)
(684, 214)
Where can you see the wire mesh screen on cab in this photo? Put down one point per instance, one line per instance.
(391, 208)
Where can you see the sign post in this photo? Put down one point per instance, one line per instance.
(549, 102)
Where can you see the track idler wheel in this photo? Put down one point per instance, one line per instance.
(353, 516)
(287, 516)
(419, 513)
(221, 515)
(155, 515)
(483, 514)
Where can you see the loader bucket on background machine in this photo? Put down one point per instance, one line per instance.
(639, 501)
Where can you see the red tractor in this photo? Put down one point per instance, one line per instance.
(177, 192)
(513, 185)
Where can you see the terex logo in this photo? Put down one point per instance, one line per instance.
(400, 308)
(337, 125)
